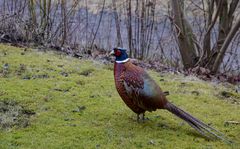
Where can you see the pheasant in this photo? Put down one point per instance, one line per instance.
(141, 93)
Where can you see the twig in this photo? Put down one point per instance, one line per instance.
(232, 122)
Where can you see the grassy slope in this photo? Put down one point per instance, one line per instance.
(106, 122)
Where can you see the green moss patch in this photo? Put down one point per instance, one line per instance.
(77, 106)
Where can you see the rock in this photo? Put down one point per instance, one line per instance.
(86, 72)
(27, 77)
(151, 142)
(237, 88)
(79, 109)
(166, 93)
(226, 94)
(65, 74)
(195, 93)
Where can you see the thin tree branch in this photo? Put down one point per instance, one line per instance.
(94, 36)
(215, 17)
(225, 45)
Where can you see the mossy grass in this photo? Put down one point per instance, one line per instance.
(76, 106)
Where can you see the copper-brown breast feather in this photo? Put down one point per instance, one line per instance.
(137, 89)
(143, 91)
(119, 75)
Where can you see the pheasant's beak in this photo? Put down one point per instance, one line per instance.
(111, 53)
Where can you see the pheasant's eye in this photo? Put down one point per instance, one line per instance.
(117, 52)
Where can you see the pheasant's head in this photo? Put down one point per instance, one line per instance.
(120, 54)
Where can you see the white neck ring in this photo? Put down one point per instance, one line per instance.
(123, 61)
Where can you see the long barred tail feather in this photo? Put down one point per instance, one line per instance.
(198, 125)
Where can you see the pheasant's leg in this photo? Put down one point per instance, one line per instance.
(138, 117)
(141, 118)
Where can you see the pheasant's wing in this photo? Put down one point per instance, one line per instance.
(133, 79)
(143, 91)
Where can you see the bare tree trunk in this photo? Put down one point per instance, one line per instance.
(151, 5)
(185, 35)
(64, 21)
(207, 37)
(86, 32)
(4, 8)
(48, 19)
(32, 17)
(100, 20)
(44, 20)
(142, 32)
(117, 23)
(224, 27)
(129, 26)
(225, 15)
(225, 45)
(137, 30)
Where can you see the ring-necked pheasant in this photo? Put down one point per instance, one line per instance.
(141, 93)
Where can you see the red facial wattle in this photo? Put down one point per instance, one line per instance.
(117, 53)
